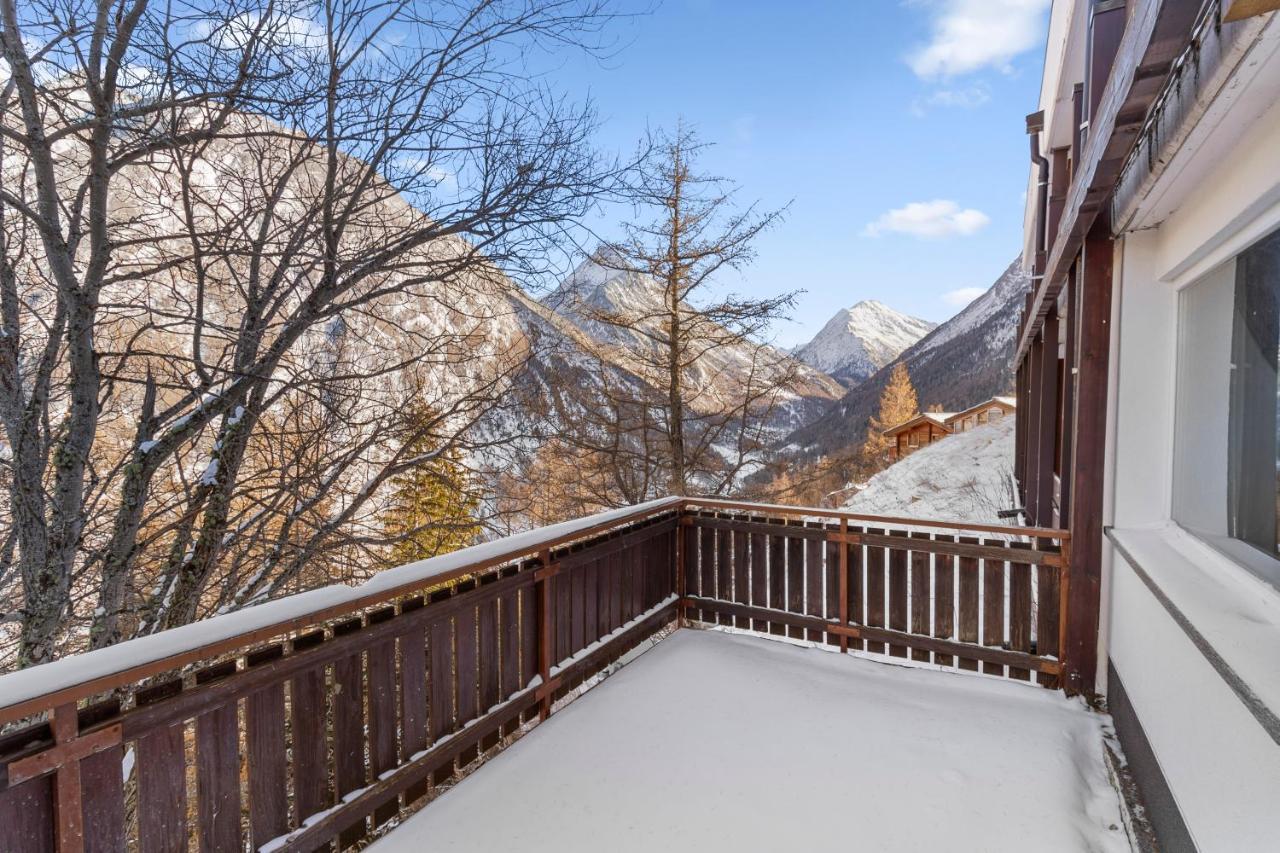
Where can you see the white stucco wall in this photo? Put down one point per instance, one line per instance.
(1222, 765)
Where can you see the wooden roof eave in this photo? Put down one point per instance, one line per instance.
(1155, 36)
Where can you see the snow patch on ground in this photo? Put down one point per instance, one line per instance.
(723, 742)
(963, 477)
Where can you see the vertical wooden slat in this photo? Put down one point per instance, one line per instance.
(837, 585)
(615, 590)
(777, 578)
(162, 779)
(993, 608)
(724, 571)
(626, 594)
(855, 591)
(414, 735)
(562, 615)
(637, 579)
(102, 801)
(384, 721)
(509, 640)
(968, 627)
(795, 582)
(528, 635)
(759, 578)
(875, 590)
(814, 581)
(692, 574)
(944, 598)
(27, 816)
(1019, 610)
(348, 727)
(464, 641)
(577, 608)
(441, 678)
(218, 770)
(921, 594)
(898, 593)
(309, 736)
(741, 577)
(591, 601)
(265, 741)
(707, 567)
(490, 680)
(1047, 618)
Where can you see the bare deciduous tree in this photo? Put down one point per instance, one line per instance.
(228, 231)
(693, 410)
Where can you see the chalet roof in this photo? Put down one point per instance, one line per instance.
(936, 418)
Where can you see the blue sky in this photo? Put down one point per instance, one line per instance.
(894, 127)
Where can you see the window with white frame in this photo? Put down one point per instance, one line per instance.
(1227, 432)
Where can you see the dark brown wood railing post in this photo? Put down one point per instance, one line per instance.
(1064, 595)
(544, 632)
(844, 584)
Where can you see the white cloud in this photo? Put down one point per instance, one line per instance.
(966, 98)
(969, 35)
(962, 296)
(929, 219)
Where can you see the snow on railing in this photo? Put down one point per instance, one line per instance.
(316, 718)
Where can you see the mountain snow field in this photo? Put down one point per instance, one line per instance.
(858, 341)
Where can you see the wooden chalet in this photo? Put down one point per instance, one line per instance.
(920, 431)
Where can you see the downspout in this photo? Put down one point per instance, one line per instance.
(1042, 207)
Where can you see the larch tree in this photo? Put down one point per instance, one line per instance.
(689, 410)
(897, 403)
(433, 505)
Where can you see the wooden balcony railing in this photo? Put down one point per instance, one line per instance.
(309, 722)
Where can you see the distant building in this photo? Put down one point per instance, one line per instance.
(921, 430)
(927, 427)
(992, 410)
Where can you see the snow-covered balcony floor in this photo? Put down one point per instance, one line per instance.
(712, 741)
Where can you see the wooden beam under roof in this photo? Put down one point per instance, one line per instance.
(1156, 34)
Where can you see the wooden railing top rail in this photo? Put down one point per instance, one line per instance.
(78, 676)
(878, 520)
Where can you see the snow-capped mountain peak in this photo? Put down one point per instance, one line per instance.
(858, 341)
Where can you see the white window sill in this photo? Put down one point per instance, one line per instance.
(1235, 613)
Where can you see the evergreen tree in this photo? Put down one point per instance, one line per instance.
(432, 508)
(897, 403)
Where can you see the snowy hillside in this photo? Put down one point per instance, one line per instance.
(964, 477)
(858, 341)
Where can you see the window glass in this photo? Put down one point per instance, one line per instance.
(1227, 433)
